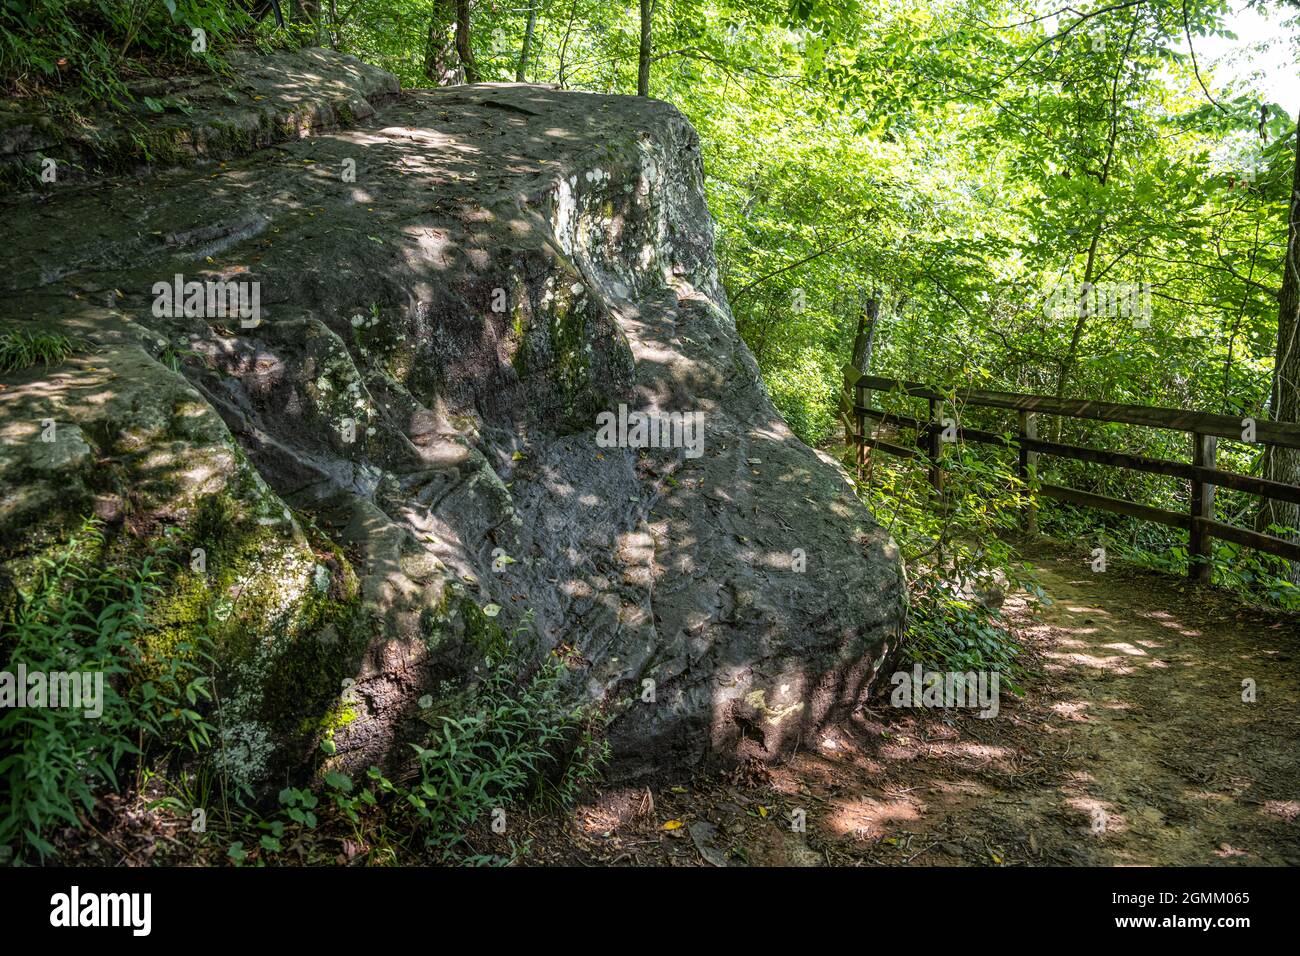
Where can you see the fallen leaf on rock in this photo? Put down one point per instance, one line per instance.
(705, 835)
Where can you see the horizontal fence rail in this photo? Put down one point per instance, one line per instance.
(1201, 474)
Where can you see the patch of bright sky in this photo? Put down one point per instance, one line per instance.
(1263, 57)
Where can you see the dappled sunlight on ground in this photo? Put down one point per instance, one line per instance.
(1113, 663)
(1125, 649)
(866, 816)
(1133, 747)
(1287, 810)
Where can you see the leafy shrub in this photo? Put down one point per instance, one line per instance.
(519, 746)
(951, 632)
(959, 566)
(504, 742)
(1254, 575)
(804, 394)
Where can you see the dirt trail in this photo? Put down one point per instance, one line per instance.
(1132, 745)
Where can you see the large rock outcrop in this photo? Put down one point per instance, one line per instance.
(451, 291)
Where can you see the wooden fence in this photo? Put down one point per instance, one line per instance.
(1201, 474)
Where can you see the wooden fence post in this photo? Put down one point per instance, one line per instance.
(847, 414)
(1028, 470)
(861, 361)
(1200, 543)
(1203, 474)
(860, 399)
(934, 444)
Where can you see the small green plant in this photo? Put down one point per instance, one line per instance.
(509, 744)
(92, 48)
(503, 742)
(174, 357)
(82, 616)
(959, 563)
(952, 633)
(20, 349)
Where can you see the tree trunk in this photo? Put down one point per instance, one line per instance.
(866, 337)
(440, 61)
(309, 10)
(1283, 464)
(564, 44)
(1081, 312)
(1076, 335)
(643, 57)
(1066, 367)
(462, 42)
(521, 72)
(864, 340)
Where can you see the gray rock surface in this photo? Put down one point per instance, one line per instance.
(748, 584)
(180, 119)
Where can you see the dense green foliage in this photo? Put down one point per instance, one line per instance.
(960, 562)
(503, 747)
(509, 739)
(94, 46)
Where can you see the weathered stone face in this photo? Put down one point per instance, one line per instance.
(437, 340)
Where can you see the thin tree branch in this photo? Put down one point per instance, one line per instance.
(1188, 31)
(745, 290)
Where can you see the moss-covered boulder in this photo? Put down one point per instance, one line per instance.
(119, 435)
(450, 293)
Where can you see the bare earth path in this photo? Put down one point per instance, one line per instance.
(1132, 745)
